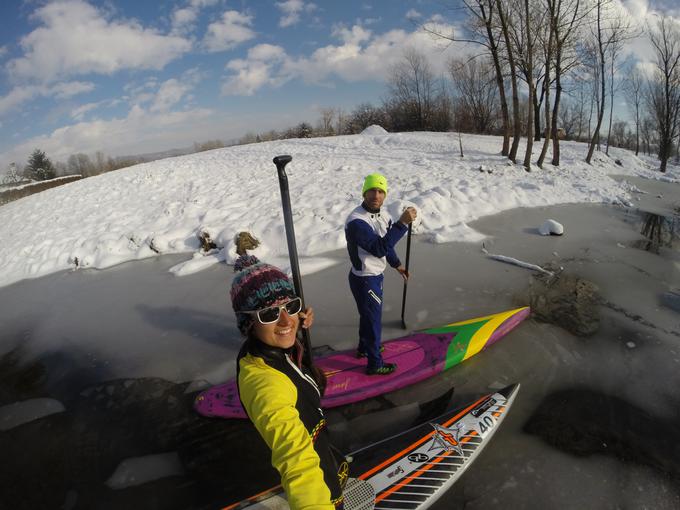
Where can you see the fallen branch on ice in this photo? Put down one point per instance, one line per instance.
(510, 260)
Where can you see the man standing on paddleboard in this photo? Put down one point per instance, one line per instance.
(371, 236)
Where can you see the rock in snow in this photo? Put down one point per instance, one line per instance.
(551, 227)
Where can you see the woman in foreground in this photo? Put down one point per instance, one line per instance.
(280, 393)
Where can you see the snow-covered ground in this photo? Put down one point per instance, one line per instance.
(163, 206)
(99, 368)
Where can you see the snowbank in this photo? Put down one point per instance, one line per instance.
(374, 129)
(164, 206)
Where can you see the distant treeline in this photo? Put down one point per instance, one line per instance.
(34, 187)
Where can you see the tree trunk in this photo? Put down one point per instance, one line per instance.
(530, 83)
(556, 107)
(537, 113)
(637, 131)
(546, 88)
(611, 106)
(590, 115)
(600, 107)
(500, 83)
(664, 162)
(516, 122)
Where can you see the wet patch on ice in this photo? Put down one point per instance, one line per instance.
(585, 422)
(139, 470)
(20, 380)
(18, 413)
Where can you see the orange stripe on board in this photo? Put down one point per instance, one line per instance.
(253, 498)
(421, 471)
(420, 441)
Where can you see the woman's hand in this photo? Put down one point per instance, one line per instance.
(307, 318)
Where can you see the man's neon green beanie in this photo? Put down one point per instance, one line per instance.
(374, 181)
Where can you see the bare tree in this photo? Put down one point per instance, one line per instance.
(575, 94)
(476, 93)
(546, 81)
(522, 32)
(326, 121)
(615, 49)
(647, 133)
(80, 164)
(510, 56)
(664, 89)
(570, 118)
(633, 90)
(611, 29)
(12, 176)
(619, 133)
(363, 116)
(484, 31)
(411, 86)
(589, 78)
(567, 18)
(341, 122)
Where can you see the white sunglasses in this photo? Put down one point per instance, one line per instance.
(272, 313)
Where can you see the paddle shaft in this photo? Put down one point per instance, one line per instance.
(408, 260)
(281, 162)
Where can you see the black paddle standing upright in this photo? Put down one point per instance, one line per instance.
(281, 162)
(408, 259)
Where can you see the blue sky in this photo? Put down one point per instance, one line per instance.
(138, 76)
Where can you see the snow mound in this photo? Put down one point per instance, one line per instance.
(374, 129)
(551, 227)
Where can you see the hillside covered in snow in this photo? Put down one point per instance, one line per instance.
(166, 206)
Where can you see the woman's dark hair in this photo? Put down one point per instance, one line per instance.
(319, 377)
(297, 351)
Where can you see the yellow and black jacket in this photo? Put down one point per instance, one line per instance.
(284, 403)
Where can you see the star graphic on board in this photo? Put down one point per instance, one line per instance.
(447, 439)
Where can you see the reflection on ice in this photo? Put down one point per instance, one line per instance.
(139, 470)
(18, 413)
(659, 231)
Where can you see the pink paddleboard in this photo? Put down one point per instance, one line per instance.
(418, 356)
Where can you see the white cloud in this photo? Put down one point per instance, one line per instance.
(170, 93)
(361, 55)
(22, 94)
(231, 30)
(76, 38)
(139, 132)
(3, 51)
(248, 78)
(367, 21)
(636, 8)
(292, 9)
(199, 4)
(183, 18)
(162, 97)
(18, 96)
(266, 52)
(259, 69)
(642, 14)
(412, 14)
(79, 113)
(70, 89)
(351, 36)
